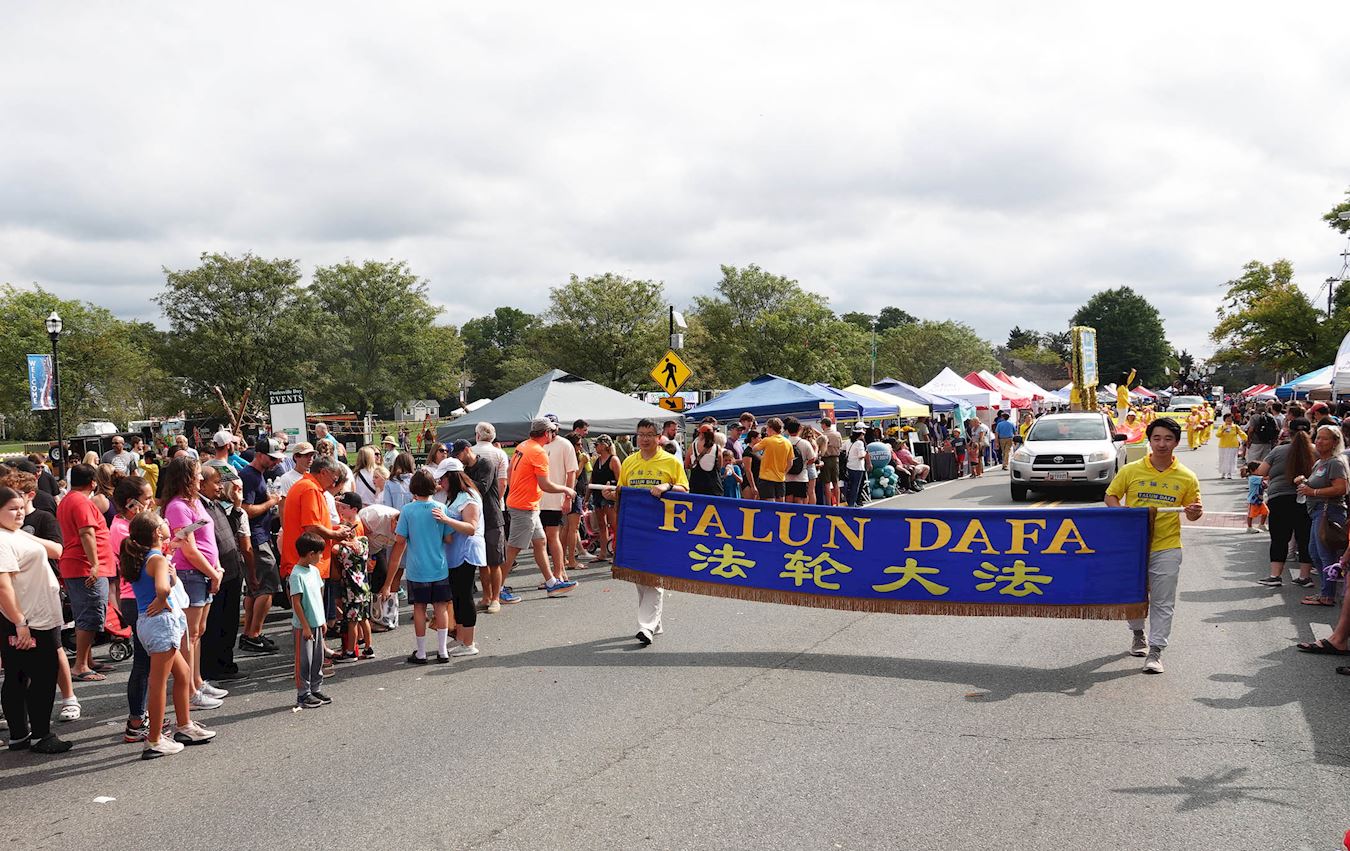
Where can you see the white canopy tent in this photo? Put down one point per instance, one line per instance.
(1340, 370)
(948, 383)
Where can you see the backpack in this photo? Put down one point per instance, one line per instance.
(798, 459)
(1265, 431)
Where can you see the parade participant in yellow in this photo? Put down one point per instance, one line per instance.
(1208, 414)
(1158, 480)
(1230, 439)
(1194, 425)
(1132, 428)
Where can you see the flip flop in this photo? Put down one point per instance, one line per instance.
(88, 677)
(1317, 601)
(1322, 647)
(101, 667)
(1343, 670)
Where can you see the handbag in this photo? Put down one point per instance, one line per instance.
(1332, 533)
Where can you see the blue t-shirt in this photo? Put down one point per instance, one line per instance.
(730, 486)
(466, 549)
(1005, 429)
(254, 488)
(424, 559)
(1256, 487)
(305, 581)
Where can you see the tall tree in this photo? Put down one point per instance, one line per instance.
(106, 369)
(241, 323)
(380, 341)
(493, 340)
(760, 323)
(915, 353)
(1130, 335)
(606, 328)
(1021, 338)
(1334, 219)
(1266, 319)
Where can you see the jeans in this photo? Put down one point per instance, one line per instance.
(1164, 570)
(1320, 555)
(138, 681)
(855, 485)
(30, 683)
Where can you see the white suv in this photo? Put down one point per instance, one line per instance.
(1067, 450)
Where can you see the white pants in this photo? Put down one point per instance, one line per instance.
(1164, 569)
(1227, 460)
(650, 601)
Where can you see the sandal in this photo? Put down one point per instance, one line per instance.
(1323, 647)
(1318, 601)
(101, 667)
(90, 676)
(69, 712)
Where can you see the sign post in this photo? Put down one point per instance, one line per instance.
(287, 412)
(670, 374)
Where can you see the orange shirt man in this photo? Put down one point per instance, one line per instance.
(306, 510)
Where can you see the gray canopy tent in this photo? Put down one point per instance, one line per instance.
(560, 393)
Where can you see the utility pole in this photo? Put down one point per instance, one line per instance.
(874, 351)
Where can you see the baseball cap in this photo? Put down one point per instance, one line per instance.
(223, 438)
(351, 499)
(304, 447)
(227, 473)
(553, 418)
(451, 465)
(459, 446)
(539, 425)
(269, 447)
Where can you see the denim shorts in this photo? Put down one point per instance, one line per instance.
(88, 605)
(197, 586)
(163, 632)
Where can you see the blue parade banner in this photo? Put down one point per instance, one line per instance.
(1018, 562)
(40, 385)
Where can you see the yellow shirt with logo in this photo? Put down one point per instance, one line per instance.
(1230, 436)
(664, 469)
(1139, 485)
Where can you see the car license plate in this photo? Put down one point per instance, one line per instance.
(1057, 477)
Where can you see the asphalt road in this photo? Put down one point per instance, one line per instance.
(752, 726)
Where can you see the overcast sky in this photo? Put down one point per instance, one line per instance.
(996, 163)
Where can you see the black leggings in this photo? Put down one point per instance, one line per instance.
(461, 586)
(30, 682)
(1288, 517)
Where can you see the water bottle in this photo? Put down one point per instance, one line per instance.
(1302, 500)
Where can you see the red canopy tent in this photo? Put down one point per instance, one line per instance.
(1016, 398)
(1257, 389)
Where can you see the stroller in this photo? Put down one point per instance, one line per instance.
(115, 634)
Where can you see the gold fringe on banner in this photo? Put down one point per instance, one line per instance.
(1098, 611)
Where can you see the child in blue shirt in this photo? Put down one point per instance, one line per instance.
(1256, 499)
(732, 476)
(307, 622)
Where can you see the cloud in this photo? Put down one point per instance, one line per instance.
(996, 165)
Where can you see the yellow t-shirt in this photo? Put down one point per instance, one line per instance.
(773, 466)
(664, 469)
(1139, 485)
(1230, 436)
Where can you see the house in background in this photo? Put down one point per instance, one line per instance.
(417, 410)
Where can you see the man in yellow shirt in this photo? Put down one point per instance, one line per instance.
(654, 468)
(774, 462)
(1160, 480)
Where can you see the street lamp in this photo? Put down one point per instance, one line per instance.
(54, 331)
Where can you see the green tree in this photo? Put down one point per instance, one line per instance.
(889, 317)
(916, 353)
(1061, 343)
(1266, 319)
(1333, 216)
(1130, 335)
(490, 342)
(380, 341)
(605, 328)
(761, 323)
(1020, 338)
(242, 323)
(106, 369)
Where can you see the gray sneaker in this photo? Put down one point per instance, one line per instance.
(1139, 647)
(1153, 664)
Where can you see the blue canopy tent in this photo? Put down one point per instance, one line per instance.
(773, 396)
(923, 397)
(1300, 386)
(872, 409)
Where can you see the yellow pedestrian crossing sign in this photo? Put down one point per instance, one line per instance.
(670, 373)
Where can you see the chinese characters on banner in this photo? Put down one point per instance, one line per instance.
(1085, 563)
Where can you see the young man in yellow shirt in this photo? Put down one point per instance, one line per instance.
(651, 467)
(1158, 479)
(774, 462)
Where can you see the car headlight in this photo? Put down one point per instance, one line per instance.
(1023, 456)
(1099, 456)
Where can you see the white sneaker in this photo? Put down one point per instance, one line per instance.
(213, 691)
(164, 747)
(193, 734)
(201, 700)
(464, 650)
(1154, 665)
(494, 607)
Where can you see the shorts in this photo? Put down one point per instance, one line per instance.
(429, 592)
(598, 502)
(163, 632)
(88, 605)
(578, 503)
(771, 490)
(1257, 510)
(829, 471)
(494, 541)
(265, 569)
(525, 528)
(797, 489)
(197, 586)
(549, 518)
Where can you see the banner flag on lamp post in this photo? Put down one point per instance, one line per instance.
(40, 384)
